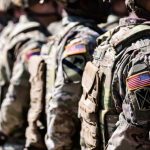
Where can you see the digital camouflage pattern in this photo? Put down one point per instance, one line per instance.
(26, 40)
(119, 81)
(136, 7)
(5, 6)
(65, 57)
(36, 129)
(133, 127)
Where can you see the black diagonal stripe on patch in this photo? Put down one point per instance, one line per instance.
(143, 98)
(72, 66)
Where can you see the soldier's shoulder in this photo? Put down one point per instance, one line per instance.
(24, 27)
(89, 31)
(83, 41)
(27, 34)
(8, 29)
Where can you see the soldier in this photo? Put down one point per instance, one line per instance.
(65, 56)
(118, 79)
(4, 38)
(25, 41)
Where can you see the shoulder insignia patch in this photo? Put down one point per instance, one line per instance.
(75, 48)
(138, 81)
(143, 99)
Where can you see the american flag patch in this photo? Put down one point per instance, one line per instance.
(138, 81)
(76, 48)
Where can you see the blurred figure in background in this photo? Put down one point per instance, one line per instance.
(132, 95)
(118, 10)
(25, 41)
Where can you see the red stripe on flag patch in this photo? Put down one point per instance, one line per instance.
(138, 81)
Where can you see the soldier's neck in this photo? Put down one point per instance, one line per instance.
(133, 15)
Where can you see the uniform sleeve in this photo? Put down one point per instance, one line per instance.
(63, 105)
(134, 83)
(138, 89)
(15, 105)
(36, 128)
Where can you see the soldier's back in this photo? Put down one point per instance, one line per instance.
(25, 40)
(118, 62)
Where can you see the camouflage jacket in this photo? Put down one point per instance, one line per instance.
(4, 71)
(65, 56)
(74, 50)
(25, 41)
(115, 82)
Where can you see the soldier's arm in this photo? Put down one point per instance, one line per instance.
(131, 83)
(63, 105)
(15, 105)
(133, 77)
(35, 128)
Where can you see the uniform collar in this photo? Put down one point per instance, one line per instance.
(66, 20)
(131, 21)
(27, 18)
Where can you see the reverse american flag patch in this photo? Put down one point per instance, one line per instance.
(138, 81)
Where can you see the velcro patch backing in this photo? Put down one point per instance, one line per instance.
(138, 81)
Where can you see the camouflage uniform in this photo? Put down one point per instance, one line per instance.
(133, 93)
(4, 71)
(65, 64)
(5, 30)
(65, 56)
(36, 129)
(119, 81)
(25, 41)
